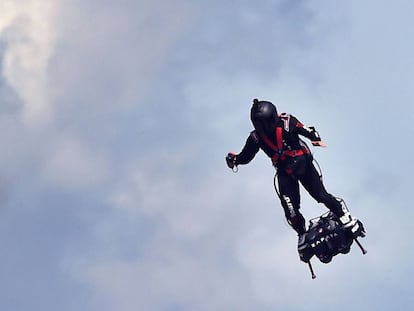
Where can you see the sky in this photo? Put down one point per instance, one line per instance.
(116, 116)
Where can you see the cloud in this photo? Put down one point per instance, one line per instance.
(193, 232)
(141, 102)
(27, 30)
(71, 163)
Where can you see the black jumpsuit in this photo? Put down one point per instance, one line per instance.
(294, 163)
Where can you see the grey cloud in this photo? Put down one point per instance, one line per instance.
(150, 96)
(10, 102)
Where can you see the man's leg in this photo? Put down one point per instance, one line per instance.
(313, 184)
(290, 200)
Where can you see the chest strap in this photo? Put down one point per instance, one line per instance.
(278, 148)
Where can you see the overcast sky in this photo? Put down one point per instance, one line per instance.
(116, 116)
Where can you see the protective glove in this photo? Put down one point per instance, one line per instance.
(319, 143)
(231, 160)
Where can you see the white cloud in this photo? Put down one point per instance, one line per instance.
(28, 29)
(182, 208)
(165, 235)
(71, 163)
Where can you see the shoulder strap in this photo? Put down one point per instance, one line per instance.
(279, 140)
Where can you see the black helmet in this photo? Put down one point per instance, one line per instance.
(264, 116)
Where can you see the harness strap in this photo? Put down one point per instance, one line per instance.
(279, 138)
(278, 148)
(279, 143)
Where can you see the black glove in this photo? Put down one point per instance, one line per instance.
(231, 160)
